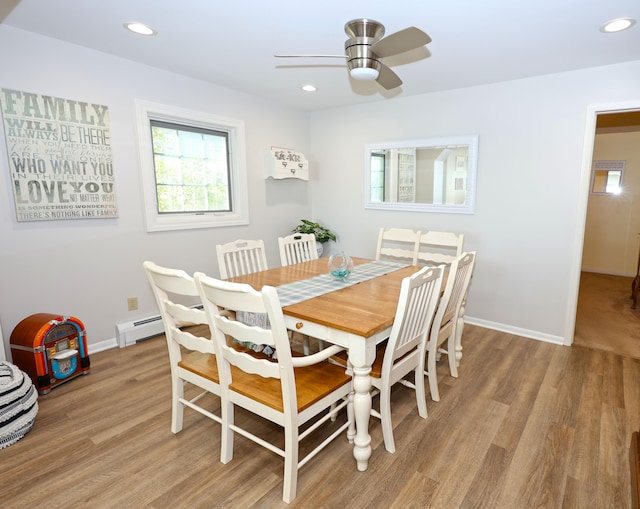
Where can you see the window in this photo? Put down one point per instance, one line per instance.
(377, 177)
(607, 177)
(193, 169)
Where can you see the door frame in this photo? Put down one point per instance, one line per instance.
(593, 110)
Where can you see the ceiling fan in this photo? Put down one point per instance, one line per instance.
(366, 47)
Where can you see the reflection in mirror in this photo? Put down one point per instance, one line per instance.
(431, 174)
(607, 177)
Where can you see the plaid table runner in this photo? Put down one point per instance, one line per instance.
(298, 291)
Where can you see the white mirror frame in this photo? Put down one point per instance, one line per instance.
(472, 167)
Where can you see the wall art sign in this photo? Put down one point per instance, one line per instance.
(59, 157)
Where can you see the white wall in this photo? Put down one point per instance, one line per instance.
(528, 226)
(612, 233)
(88, 268)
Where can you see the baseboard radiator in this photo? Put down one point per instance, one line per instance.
(129, 333)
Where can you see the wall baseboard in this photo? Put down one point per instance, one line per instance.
(516, 331)
(107, 344)
(612, 273)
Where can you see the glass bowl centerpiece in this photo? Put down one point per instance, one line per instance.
(340, 266)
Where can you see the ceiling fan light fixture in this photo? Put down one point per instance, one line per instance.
(364, 73)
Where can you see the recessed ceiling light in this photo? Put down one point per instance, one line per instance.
(617, 25)
(140, 28)
(308, 88)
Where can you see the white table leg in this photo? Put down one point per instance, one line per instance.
(362, 353)
(362, 411)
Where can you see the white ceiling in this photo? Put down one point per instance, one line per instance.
(232, 43)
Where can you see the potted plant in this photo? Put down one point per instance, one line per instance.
(321, 233)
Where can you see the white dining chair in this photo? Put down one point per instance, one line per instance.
(289, 392)
(445, 322)
(241, 257)
(398, 244)
(191, 357)
(439, 247)
(404, 351)
(297, 248)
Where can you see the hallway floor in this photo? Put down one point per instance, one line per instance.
(605, 320)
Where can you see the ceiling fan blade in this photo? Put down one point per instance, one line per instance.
(387, 78)
(310, 56)
(399, 42)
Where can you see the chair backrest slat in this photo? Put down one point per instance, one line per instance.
(297, 248)
(168, 286)
(184, 314)
(399, 244)
(458, 280)
(436, 247)
(241, 257)
(417, 303)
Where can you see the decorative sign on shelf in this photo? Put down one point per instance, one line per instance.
(284, 163)
(59, 157)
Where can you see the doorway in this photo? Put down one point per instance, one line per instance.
(604, 318)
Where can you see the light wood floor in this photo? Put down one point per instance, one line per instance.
(604, 317)
(527, 424)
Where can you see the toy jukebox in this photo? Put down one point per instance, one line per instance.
(51, 349)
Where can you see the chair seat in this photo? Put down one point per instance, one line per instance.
(202, 364)
(312, 383)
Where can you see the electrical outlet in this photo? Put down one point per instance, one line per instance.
(132, 303)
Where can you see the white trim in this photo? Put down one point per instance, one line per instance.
(146, 111)
(472, 170)
(581, 209)
(516, 331)
(607, 272)
(107, 344)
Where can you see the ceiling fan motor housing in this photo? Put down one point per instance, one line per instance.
(362, 34)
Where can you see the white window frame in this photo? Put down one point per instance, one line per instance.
(147, 111)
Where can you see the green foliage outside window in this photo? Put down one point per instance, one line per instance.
(191, 168)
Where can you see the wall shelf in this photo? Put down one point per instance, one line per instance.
(283, 163)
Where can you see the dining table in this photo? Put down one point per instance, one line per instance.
(356, 313)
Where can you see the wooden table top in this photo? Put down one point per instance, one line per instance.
(362, 309)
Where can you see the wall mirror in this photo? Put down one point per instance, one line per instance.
(422, 175)
(607, 177)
